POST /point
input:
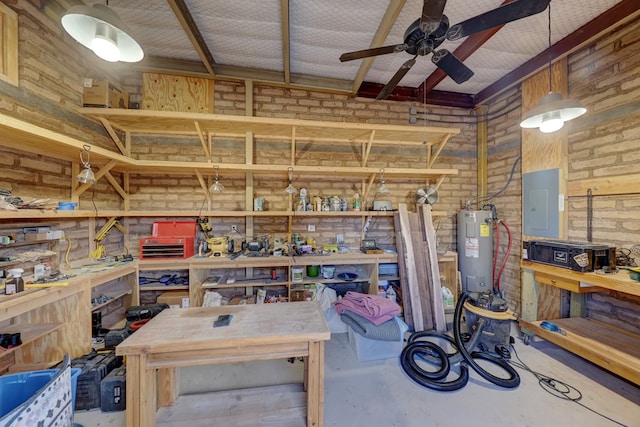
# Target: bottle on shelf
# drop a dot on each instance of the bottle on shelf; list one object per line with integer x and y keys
{"x": 302, "y": 203}
{"x": 14, "y": 282}
{"x": 356, "y": 202}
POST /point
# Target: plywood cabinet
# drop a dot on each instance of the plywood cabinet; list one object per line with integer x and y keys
{"x": 56, "y": 320}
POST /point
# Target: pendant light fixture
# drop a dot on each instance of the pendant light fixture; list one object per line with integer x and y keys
{"x": 216, "y": 187}
{"x": 100, "y": 29}
{"x": 86, "y": 176}
{"x": 382, "y": 188}
{"x": 552, "y": 111}
{"x": 290, "y": 188}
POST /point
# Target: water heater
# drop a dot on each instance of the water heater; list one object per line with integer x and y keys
{"x": 475, "y": 250}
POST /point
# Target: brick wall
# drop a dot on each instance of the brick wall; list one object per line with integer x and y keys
{"x": 503, "y": 152}
{"x": 164, "y": 192}
{"x": 603, "y": 143}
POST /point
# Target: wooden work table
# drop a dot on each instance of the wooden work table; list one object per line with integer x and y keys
{"x": 610, "y": 347}
{"x": 186, "y": 337}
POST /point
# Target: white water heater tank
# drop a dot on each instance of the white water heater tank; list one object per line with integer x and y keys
{"x": 475, "y": 250}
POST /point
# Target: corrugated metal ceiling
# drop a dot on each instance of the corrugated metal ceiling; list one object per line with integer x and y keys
{"x": 298, "y": 42}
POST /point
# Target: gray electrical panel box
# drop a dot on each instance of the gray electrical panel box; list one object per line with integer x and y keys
{"x": 541, "y": 199}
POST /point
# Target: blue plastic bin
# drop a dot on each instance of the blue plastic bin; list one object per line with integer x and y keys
{"x": 16, "y": 389}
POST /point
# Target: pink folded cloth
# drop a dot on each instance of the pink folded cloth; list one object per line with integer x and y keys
{"x": 375, "y": 308}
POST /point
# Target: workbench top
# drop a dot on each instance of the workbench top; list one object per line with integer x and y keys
{"x": 252, "y": 325}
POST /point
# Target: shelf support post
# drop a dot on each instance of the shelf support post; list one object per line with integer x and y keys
{"x": 365, "y": 156}
{"x": 204, "y": 186}
{"x": 114, "y": 136}
{"x": 432, "y": 158}
{"x": 205, "y": 147}
{"x": 249, "y": 160}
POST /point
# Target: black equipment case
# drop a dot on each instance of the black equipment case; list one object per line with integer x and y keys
{"x": 577, "y": 256}
{"x": 95, "y": 366}
{"x": 113, "y": 396}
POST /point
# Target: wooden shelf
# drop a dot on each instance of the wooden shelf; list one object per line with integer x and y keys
{"x": 53, "y": 214}
{"x": 584, "y": 282}
{"x": 27, "y": 243}
{"x": 612, "y": 348}
{"x": 23, "y": 135}
{"x": 164, "y": 288}
{"x": 180, "y": 123}
{"x": 14, "y": 262}
{"x": 28, "y": 333}
{"x": 113, "y": 299}
{"x": 248, "y": 284}
{"x": 155, "y": 265}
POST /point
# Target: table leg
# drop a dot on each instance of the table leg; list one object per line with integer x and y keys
{"x": 141, "y": 392}
{"x": 315, "y": 384}
{"x": 167, "y": 386}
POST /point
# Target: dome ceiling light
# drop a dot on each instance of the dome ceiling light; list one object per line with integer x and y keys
{"x": 100, "y": 29}
{"x": 552, "y": 111}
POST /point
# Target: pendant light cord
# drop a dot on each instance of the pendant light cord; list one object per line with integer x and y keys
{"x": 549, "y": 32}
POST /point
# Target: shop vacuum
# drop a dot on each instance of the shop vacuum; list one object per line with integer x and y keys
{"x": 488, "y": 318}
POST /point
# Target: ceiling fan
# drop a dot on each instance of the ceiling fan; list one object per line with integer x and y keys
{"x": 429, "y": 31}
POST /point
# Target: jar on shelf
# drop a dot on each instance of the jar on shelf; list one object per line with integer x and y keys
{"x": 336, "y": 203}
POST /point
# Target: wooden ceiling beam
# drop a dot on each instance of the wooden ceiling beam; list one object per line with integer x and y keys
{"x": 187, "y": 22}
{"x": 286, "y": 39}
{"x": 386, "y": 24}
{"x": 411, "y": 94}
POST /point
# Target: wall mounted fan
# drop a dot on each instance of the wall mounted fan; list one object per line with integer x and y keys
{"x": 428, "y": 32}
{"x": 427, "y": 195}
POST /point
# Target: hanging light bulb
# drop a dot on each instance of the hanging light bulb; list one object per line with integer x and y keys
{"x": 552, "y": 111}
{"x": 105, "y": 43}
{"x": 551, "y": 122}
{"x": 86, "y": 176}
{"x": 382, "y": 188}
{"x": 216, "y": 187}
{"x": 290, "y": 188}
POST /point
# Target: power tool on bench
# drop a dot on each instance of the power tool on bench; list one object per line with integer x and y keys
{"x": 220, "y": 246}
{"x": 217, "y": 246}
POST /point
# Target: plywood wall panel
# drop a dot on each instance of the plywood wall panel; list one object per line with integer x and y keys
{"x": 543, "y": 151}
{"x": 177, "y": 93}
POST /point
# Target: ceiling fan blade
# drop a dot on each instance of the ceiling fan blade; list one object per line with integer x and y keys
{"x": 402, "y": 71}
{"x": 431, "y": 15}
{"x": 375, "y": 51}
{"x": 502, "y": 15}
{"x": 451, "y": 65}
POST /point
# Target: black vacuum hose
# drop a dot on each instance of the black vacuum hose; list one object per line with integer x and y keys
{"x": 425, "y": 348}
{"x": 514, "y": 379}
{"x": 408, "y": 364}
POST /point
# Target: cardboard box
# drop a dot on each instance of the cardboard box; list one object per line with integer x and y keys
{"x": 102, "y": 93}
{"x": 175, "y": 299}
{"x": 49, "y": 235}
{"x": 30, "y": 237}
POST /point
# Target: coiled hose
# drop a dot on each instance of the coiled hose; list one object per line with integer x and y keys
{"x": 435, "y": 354}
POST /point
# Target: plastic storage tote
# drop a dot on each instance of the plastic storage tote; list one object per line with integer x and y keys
{"x": 16, "y": 389}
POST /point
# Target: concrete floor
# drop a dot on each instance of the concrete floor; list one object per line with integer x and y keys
{"x": 378, "y": 393}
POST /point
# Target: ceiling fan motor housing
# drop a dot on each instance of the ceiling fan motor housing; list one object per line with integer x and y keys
{"x": 419, "y": 44}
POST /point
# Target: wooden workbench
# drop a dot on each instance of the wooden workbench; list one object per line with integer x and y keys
{"x": 186, "y": 337}
{"x": 610, "y": 347}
